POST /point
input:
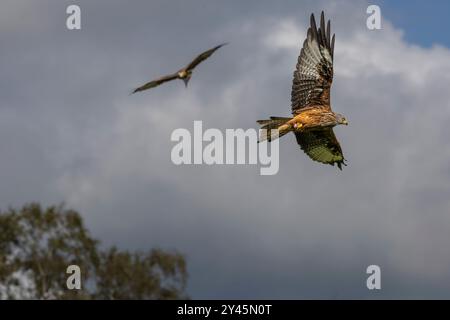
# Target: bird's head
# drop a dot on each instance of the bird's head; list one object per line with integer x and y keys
{"x": 341, "y": 119}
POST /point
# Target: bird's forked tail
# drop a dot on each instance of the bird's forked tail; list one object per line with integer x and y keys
{"x": 274, "y": 128}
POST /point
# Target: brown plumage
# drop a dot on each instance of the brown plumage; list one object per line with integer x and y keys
{"x": 182, "y": 74}
{"x": 313, "y": 120}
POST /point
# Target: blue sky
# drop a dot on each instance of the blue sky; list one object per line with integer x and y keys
{"x": 424, "y": 22}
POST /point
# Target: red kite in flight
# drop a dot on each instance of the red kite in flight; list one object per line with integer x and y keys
{"x": 182, "y": 74}
{"x": 313, "y": 120}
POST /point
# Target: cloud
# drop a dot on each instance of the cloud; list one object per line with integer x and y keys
{"x": 72, "y": 133}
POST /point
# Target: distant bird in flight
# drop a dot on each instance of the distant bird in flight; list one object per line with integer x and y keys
{"x": 183, "y": 74}
{"x": 313, "y": 120}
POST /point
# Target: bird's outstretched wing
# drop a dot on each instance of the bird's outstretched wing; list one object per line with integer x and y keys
{"x": 202, "y": 57}
{"x": 321, "y": 146}
{"x": 156, "y": 82}
{"x": 314, "y": 71}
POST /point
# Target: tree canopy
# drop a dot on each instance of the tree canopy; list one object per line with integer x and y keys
{"x": 37, "y": 245}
